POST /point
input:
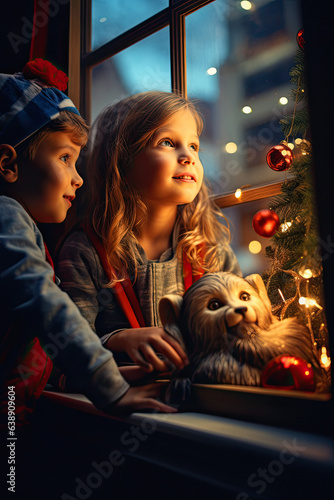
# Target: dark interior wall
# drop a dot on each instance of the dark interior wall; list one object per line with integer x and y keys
{"x": 15, "y": 46}
{"x": 51, "y": 39}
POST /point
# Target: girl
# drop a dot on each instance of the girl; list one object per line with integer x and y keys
{"x": 150, "y": 227}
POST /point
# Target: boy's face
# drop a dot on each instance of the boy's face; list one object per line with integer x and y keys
{"x": 168, "y": 170}
{"x": 47, "y": 184}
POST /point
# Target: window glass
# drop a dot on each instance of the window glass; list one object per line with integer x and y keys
{"x": 239, "y": 75}
{"x": 249, "y": 247}
{"x": 238, "y": 71}
{"x": 110, "y": 18}
{"x": 143, "y": 66}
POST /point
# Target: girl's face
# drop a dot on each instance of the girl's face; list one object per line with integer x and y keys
{"x": 168, "y": 171}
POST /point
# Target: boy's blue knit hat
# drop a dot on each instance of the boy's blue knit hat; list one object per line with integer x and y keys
{"x": 31, "y": 99}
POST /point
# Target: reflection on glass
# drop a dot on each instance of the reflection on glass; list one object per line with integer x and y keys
{"x": 110, "y": 18}
{"x": 143, "y": 66}
{"x": 240, "y": 75}
{"x": 238, "y": 71}
{"x": 249, "y": 247}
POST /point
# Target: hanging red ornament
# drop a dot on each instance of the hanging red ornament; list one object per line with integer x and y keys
{"x": 300, "y": 38}
{"x": 266, "y": 222}
{"x": 279, "y": 158}
{"x": 288, "y": 373}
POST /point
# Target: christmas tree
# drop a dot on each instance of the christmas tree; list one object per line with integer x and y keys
{"x": 294, "y": 279}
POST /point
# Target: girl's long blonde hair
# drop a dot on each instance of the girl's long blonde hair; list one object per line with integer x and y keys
{"x": 116, "y": 210}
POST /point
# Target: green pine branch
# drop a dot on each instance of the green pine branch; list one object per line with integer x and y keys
{"x": 295, "y": 245}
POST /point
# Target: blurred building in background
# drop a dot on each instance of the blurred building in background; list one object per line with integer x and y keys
{"x": 238, "y": 55}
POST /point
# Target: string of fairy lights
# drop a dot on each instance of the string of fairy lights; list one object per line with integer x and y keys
{"x": 266, "y": 223}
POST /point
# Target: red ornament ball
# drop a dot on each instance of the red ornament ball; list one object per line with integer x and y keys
{"x": 280, "y": 157}
{"x": 300, "y": 38}
{"x": 266, "y": 222}
{"x": 288, "y": 373}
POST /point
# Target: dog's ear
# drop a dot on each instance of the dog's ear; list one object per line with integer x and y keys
{"x": 257, "y": 283}
{"x": 169, "y": 310}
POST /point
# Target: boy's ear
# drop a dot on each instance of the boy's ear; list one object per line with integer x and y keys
{"x": 8, "y": 163}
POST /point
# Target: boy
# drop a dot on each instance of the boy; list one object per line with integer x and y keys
{"x": 41, "y": 135}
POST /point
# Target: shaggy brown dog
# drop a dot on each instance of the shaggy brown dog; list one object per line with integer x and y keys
{"x": 226, "y": 326}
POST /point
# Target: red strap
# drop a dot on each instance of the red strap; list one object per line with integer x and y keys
{"x": 129, "y": 303}
{"x": 188, "y": 275}
{"x": 49, "y": 260}
{"x": 187, "y": 272}
{"x": 39, "y": 35}
{"x": 124, "y": 291}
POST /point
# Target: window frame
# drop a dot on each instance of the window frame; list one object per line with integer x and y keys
{"x": 173, "y": 16}
{"x": 254, "y": 404}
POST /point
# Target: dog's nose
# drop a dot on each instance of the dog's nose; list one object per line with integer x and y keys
{"x": 240, "y": 310}
{"x": 234, "y": 316}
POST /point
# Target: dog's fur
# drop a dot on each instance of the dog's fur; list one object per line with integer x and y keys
{"x": 225, "y": 325}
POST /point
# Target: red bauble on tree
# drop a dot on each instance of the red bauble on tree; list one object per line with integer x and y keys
{"x": 266, "y": 222}
{"x": 279, "y": 158}
{"x": 288, "y": 372}
{"x": 300, "y": 38}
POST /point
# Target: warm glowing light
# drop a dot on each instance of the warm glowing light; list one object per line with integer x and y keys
{"x": 307, "y": 372}
{"x": 283, "y": 100}
{"x": 246, "y": 5}
{"x": 287, "y": 361}
{"x": 281, "y": 294}
{"x": 291, "y": 145}
{"x": 103, "y": 19}
{"x": 231, "y": 148}
{"x": 298, "y": 141}
{"x": 211, "y": 71}
{"x": 325, "y": 360}
{"x": 247, "y": 110}
{"x": 237, "y": 193}
{"x": 308, "y": 267}
{"x": 306, "y": 273}
{"x": 307, "y": 302}
{"x": 255, "y": 247}
{"x": 285, "y": 226}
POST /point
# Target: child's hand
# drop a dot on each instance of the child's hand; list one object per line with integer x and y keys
{"x": 143, "y": 344}
{"x": 135, "y": 375}
{"x": 140, "y": 398}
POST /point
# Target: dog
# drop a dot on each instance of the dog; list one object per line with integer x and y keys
{"x": 226, "y": 326}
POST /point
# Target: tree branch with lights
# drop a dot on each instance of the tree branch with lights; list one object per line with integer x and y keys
{"x": 294, "y": 279}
